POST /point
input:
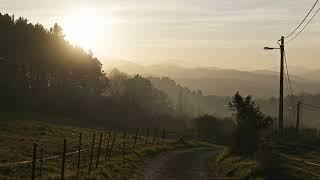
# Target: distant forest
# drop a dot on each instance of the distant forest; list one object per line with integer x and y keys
{"x": 41, "y": 72}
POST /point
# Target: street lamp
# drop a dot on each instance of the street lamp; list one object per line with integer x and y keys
{"x": 270, "y": 48}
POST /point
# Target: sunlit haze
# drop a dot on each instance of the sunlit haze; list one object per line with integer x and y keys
{"x": 226, "y": 34}
{"x": 84, "y": 28}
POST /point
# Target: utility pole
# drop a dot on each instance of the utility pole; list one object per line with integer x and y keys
{"x": 281, "y": 88}
{"x": 281, "y": 83}
{"x": 298, "y": 116}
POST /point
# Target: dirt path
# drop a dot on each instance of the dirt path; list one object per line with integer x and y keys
{"x": 190, "y": 164}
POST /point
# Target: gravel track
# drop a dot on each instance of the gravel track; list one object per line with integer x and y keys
{"x": 187, "y": 164}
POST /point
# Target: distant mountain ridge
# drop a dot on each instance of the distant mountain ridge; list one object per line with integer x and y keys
{"x": 224, "y": 82}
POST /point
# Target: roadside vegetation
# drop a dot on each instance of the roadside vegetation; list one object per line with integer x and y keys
{"x": 254, "y": 151}
{"x": 227, "y": 164}
{"x": 246, "y": 136}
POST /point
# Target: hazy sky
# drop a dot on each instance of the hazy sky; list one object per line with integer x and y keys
{"x": 227, "y": 34}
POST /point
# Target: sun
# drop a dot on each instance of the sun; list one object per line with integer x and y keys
{"x": 83, "y": 28}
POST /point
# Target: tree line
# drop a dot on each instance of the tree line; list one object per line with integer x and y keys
{"x": 41, "y": 72}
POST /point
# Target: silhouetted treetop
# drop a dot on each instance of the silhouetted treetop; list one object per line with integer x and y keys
{"x": 45, "y": 59}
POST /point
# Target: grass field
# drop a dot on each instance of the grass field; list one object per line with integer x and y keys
{"x": 17, "y": 136}
{"x": 295, "y": 156}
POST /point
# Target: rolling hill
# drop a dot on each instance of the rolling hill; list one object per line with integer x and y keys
{"x": 224, "y": 82}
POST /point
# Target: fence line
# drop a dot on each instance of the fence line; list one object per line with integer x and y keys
{"x": 300, "y": 160}
{"x": 63, "y": 158}
{"x": 107, "y": 146}
{"x": 306, "y": 171}
{"x": 79, "y": 155}
{"x": 297, "y": 159}
{"x": 126, "y": 146}
{"x": 38, "y": 160}
{"x": 99, "y": 148}
{"x": 34, "y": 157}
{"x": 91, "y": 154}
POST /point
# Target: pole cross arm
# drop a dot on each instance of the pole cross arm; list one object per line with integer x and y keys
{"x": 270, "y": 48}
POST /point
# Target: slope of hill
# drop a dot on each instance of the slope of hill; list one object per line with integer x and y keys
{"x": 224, "y": 82}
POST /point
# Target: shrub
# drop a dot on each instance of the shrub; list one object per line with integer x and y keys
{"x": 249, "y": 121}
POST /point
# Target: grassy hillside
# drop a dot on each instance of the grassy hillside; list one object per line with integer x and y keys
{"x": 293, "y": 157}
{"x": 17, "y": 135}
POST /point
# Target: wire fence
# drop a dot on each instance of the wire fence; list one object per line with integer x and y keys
{"x": 82, "y": 156}
{"x": 303, "y": 163}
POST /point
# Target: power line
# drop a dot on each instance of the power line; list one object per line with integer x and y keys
{"x": 304, "y": 19}
{"x": 288, "y": 80}
{"x": 288, "y": 92}
{"x": 309, "y": 108}
{"x": 305, "y": 26}
{"x": 312, "y": 106}
{"x": 291, "y": 103}
{"x": 287, "y": 73}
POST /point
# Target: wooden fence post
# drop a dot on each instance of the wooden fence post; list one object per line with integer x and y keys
{"x": 135, "y": 140}
{"x": 34, "y": 159}
{"x": 79, "y": 156}
{"x": 147, "y": 136}
{"x": 63, "y": 158}
{"x": 99, "y": 148}
{"x": 41, "y": 161}
{"x": 107, "y": 147}
{"x": 110, "y": 151}
{"x": 163, "y": 134}
{"x": 154, "y": 136}
{"x": 141, "y": 132}
{"x": 124, "y": 146}
{"x": 91, "y": 154}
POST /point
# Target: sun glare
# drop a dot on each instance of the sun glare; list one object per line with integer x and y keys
{"x": 83, "y": 28}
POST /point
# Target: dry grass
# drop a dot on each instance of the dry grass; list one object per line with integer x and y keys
{"x": 17, "y": 136}
{"x": 231, "y": 166}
